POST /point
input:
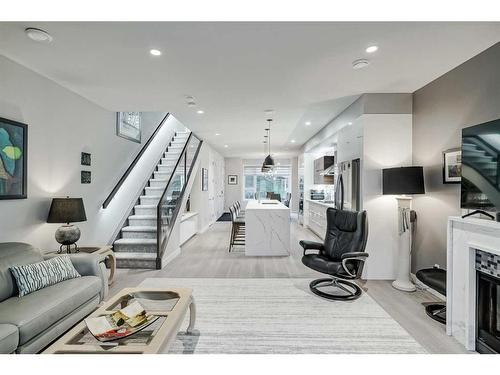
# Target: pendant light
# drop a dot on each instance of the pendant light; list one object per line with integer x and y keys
{"x": 269, "y": 161}
{"x": 265, "y": 169}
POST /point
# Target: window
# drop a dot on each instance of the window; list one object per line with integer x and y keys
{"x": 279, "y": 182}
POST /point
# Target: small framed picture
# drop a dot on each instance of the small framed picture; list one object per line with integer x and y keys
{"x": 86, "y": 159}
{"x": 86, "y": 177}
{"x": 452, "y": 166}
{"x": 204, "y": 179}
{"x": 128, "y": 125}
{"x": 232, "y": 179}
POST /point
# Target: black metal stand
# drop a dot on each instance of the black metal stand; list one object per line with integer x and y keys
{"x": 68, "y": 248}
{"x": 480, "y": 212}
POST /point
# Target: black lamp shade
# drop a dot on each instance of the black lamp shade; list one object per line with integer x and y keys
{"x": 66, "y": 210}
{"x": 403, "y": 180}
{"x": 269, "y": 161}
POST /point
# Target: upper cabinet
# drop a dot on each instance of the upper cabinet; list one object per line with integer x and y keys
{"x": 319, "y": 168}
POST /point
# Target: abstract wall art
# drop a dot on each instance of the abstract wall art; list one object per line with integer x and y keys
{"x": 13, "y": 159}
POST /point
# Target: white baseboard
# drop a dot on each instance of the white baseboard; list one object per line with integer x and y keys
{"x": 168, "y": 258}
{"x": 422, "y": 286}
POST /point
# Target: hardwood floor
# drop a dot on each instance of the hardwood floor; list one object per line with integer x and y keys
{"x": 206, "y": 256}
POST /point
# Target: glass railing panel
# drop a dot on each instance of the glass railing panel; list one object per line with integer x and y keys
{"x": 169, "y": 204}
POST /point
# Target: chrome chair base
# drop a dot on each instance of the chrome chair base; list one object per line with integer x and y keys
{"x": 437, "y": 311}
{"x": 352, "y": 291}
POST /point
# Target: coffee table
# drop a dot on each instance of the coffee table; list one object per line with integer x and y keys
{"x": 170, "y": 304}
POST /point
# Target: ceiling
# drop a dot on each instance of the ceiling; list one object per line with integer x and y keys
{"x": 235, "y": 71}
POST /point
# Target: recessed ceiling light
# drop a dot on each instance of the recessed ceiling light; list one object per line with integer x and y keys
{"x": 372, "y": 49}
{"x": 155, "y": 52}
{"x": 360, "y": 64}
{"x": 293, "y": 141}
{"x": 38, "y": 35}
{"x": 308, "y": 123}
{"x": 217, "y": 133}
{"x": 200, "y": 112}
{"x": 349, "y": 123}
{"x": 226, "y": 146}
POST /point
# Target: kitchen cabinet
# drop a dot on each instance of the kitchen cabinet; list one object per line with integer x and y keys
{"x": 319, "y": 167}
{"x": 317, "y": 217}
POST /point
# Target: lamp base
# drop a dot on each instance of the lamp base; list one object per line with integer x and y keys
{"x": 404, "y": 285}
{"x": 67, "y": 235}
{"x": 403, "y": 281}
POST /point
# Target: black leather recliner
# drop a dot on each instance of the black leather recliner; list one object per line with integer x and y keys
{"x": 342, "y": 255}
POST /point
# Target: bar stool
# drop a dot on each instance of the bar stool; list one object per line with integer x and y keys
{"x": 237, "y": 229}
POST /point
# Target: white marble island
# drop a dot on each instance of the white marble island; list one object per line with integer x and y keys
{"x": 267, "y": 228}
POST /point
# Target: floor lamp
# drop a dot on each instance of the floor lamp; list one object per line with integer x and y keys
{"x": 403, "y": 182}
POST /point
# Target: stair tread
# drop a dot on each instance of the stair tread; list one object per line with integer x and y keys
{"x": 142, "y": 217}
{"x": 143, "y": 256}
{"x": 136, "y": 241}
{"x": 137, "y": 228}
{"x": 146, "y": 206}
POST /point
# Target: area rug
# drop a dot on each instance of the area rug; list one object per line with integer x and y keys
{"x": 271, "y": 316}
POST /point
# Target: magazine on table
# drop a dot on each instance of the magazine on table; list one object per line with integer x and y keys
{"x": 121, "y": 323}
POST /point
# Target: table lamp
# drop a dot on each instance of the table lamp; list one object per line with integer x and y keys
{"x": 403, "y": 182}
{"x": 67, "y": 210}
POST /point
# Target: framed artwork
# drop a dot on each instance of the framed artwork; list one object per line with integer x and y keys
{"x": 452, "y": 166}
{"x": 86, "y": 177}
{"x": 232, "y": 179}
{"x": 128, "y": 125}
{"x": 13, "y": 159}
{"x": 204, "y": 179}
{"x": 86, "y": 159}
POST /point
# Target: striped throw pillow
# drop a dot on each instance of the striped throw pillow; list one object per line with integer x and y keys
{"x": 35, "y": 276}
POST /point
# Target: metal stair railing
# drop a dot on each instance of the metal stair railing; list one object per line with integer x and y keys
{"x": 170, "y": 202}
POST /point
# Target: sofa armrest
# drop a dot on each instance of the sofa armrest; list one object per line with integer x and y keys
{"x": 88, "y": 265}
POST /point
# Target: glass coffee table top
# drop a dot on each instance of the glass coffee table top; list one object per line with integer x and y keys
{"x": 154, "y": 302}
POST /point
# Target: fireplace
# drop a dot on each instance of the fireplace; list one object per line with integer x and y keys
{"x": 487, "y": 302}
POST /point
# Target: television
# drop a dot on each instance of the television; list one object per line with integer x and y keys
{"x": 480, "y": 183}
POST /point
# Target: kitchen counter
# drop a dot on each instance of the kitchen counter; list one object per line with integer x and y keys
{"x": 320, "y": 203}
{"x": 267, "y": 228}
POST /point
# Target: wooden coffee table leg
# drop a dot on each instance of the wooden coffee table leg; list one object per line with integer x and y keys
{"x": 192, "y": 316}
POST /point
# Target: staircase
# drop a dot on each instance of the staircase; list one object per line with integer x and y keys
{"x": 480, "y": 158}
{"x": 137, "y": 247}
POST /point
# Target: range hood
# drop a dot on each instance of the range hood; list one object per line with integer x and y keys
{"x": 330, "y": 171}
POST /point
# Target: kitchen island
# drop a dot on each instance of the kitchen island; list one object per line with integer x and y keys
{"x": 267, "y": 228}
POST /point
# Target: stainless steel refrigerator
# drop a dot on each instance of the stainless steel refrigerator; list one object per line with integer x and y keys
{"x": 347, "y": 186}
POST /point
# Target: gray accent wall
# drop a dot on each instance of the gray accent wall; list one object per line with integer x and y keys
{"x": 465, "y": 96}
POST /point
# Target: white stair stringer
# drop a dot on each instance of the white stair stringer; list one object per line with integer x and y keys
{"x": 137, "y": 246}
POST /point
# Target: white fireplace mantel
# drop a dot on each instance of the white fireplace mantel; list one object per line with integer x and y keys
{"x": 465, "y": 236}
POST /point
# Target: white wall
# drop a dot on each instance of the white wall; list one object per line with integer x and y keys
{"x": 61, "y": 124}
{"x": 387, "y": 142}
{"x": 209, "y": 204}
{"x": 234, "y": 166}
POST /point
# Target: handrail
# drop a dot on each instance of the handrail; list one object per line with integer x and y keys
{"x": 161, "y": 243}
{"x": 134, "y": 162}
